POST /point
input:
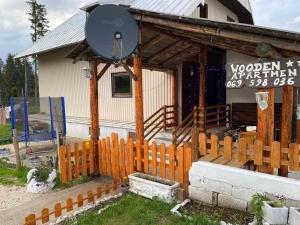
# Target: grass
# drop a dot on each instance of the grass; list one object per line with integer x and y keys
{"x": 10, "y": 176}
{"x": 136, "y": 210}
{"x": 5, "y": 134}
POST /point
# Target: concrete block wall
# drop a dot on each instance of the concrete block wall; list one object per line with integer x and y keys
{"x": 233, "y": 188}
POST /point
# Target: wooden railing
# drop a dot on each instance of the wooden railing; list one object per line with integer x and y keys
{"x": 162, "y": 119}
{"x": 214, "y": 116}
{"x": 183, "y": 133}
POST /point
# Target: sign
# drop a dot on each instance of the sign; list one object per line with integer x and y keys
{"x": 264, "y": 73}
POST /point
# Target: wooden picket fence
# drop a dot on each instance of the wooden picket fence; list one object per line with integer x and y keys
{"x": 70, "y": 204}
{"x": 239, "y": 153}
{"x": 119, "y": 158}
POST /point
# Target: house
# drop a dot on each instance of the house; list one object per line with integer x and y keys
{"x": 171, "y": 72}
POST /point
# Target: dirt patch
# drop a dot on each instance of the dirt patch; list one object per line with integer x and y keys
{"x": 14, "y": 196}
{"x": 228, "y": 215}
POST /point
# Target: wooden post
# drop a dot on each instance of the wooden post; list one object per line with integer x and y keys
{"x": 195, "y": 144}
{"x": 94, "y": 105}
{"x": 17, "y": 149}
{"x": 139, "y": 107}
{"x": 202, "y": 85}
{"x": 286, "y": 124}
{"x": 175, "y": 96}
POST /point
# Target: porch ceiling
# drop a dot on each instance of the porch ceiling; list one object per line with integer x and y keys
{"x": 169, "y": 40}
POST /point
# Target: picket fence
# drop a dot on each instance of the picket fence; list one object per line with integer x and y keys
{"x": 118, "y": 159}
{"x": 244, "y": 151}
{"x": 70, "y": 204}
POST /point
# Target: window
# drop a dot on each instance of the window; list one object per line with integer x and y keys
{"x": 203, "y": 11}
{"x": 121, "y": 85}
{"x": 229, "y": 19}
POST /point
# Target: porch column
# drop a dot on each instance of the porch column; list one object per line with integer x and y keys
{"x": 139, "y": 110}
{"x": 203, "y": 63}
{"x": 175, "y": 96}
{"x": 94, "y": 110}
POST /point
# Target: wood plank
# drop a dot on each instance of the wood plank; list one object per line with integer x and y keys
{"x": 258, "y": 153}
{"x": 57, "y": 210}
{"x": 163, "y": 52}
{"x": 131, "y": 156}
{"x": 228, "y": 148}
{"x": 187, "y": 166}
{"x": 202, "y": 144}
{"x": 152, "y": 42}
{"x": 69, "y": 163}
{"x": 91, "y": 157}
{"x": 103, "y": 71}
{"x": 45, "y": 215}
{"x": 214, "y": 149}
{"x": 123, "y": 159}
{"x": 76, "y": 159}
{"x": 138, "y": 156}
{"x": 69, "y": 205}
{"x": 83, "y": 158}
{"x": 104, "y": 159}
{"x": 154, "y": 158}
{"x": 63, "y": 172}
{"x": 180, "y": 166}
{"x": 162, "y": 149}
{"x": 203, "y": 63}
{"x": 275, "y": 155}
{"x": 146, "y": 157}
{"x": 294, "y": 157}
{"x": 172, "y": 161}
{"x": 116, "y": 156}
{"x": 100, "y": 162}
{"x": 108, "y": 156}
{"x": 242, "y": 150}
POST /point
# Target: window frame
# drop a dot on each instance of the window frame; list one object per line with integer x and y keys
{"x": 113, "y": 87}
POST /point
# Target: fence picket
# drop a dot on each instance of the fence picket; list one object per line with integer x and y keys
{"x": 172, "y": 162}
{"x": 117, "y": 157}
{"x": 294, "y": 154}
{"x": 57, "y": 210}
{"x": 275, "y": 155}
{"x": 108, "y": 156}
{"x": 69, "y": 163}
{"x": 79, "y": 200}
{"x": 180, "y": 166}
{"x": 202, "y": 144}
{"x": 91, "y": 158}
{"x": 162, "y": 149}
{"x": 100, "y": 158}
{"x": 63, "y": 172}
{"x": 113, "y": 155}
{"x": 258, "y": 153}
{"x": 214, "y": 149}
{"x": 83, "y": 158}
{"x": 131, "y": 156}
{"x": 242, "y": 150}
{"x": 154, "y": 158}
{"x": 138, "y": 156}
{"x": 69, "y": 206}
{"x": 146, "y": 157}
{"x": 187, "y": 166}
{"x": 76, "y": 163}
{"x": 90, "y": 197}
{"x": 228, "y": 148}
{"x": 30, "y": 219}
{"x": 104, "y": 159}
{"x": 123, "y": 160}
{"x": 45, "y": 215}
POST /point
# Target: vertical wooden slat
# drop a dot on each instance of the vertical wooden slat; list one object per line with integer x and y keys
{"x": 90, "y": 196}
{"x": 138, "y": 156}
{"x": 69, "y": 206}
{"x": 154, "y": 157}
{"x": 45, "y": 215}
{"x": 162, "y": 149}
{"x": 242, "y": 150}
{"x": 113, "y": 155}
{"x": 83, "y": 157}
{"x": 228, "y": 148}
{"x": 76, "y": 158}
{"x": 69, "y": 163}
{"x": 100, "y": 163}
{"x": 202, "y": 144}
{"x": 172, "y": 162}
{"x": 187, "y": 166}
{"x": 146, "y": 157}
{"x": 275, "y": 155}
{"x": 131, "y": 156}
{"x": 117, "y": 156}
{"x": 79, "y": 200}
{"x": 63, "y": 172}
{"x": 91, "y": 157}
{"x": 294, "y": 157}
{"x": 108, "y": 156}
{"x": 104, "y": 159}
{"x": 127, "y": 154}
{"x": 180, "y": 166}
{"x": 57, "y": 210}
{"x": 30, "y": 219}
{"x": 123, "y": 160}
{"x": 214, "y": 149}
{"x": 258, "y": 153}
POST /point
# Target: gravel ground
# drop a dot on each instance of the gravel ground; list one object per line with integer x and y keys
{"x": 14, "y": 196}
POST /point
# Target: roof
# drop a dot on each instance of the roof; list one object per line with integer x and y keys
{"x": 72, "y": 30}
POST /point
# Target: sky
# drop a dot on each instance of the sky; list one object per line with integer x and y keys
{"x": 15, "y": 31}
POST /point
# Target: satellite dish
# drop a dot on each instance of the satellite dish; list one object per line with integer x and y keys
{"x": 112, "y": 32}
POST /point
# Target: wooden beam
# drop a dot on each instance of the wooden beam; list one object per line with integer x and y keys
{"x": 182, "y": 52}
{"x": 163, "y": 51}
{"x": 94, "y": 110}
{"x": 175, "y": 95}
{"x": 102, "y": 72}
{"x": 152, "y": 42}
{"x": 202, "y": 84}
{"x": 128, "y": 70}
{"x": 139, "y": 107}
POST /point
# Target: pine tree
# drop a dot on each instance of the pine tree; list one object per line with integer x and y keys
{"x": 39, "y": 26}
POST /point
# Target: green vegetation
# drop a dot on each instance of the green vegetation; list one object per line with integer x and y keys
{"x": 5, "y": 134}
{"x": 10, "y": 176}
{"x": 80, "y": 180}
{"x": 136, "y": 210}
{"x": 256, "y": 204}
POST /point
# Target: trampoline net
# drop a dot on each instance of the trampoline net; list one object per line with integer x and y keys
{"x": 36, "y": 119}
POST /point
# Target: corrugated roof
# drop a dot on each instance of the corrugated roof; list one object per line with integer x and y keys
{"x": 72, "y": 31}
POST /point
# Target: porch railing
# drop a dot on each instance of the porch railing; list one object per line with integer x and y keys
{"x": 161, "y": 120}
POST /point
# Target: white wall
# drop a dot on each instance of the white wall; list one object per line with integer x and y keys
{"x": 216, "y": 11}
{"x": 245, "y": 94}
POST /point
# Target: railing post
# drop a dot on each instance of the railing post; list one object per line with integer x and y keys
{"x": 174, "y": 138}
{"x": 165, "y": 118}
{"x": 195, "y": 117}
